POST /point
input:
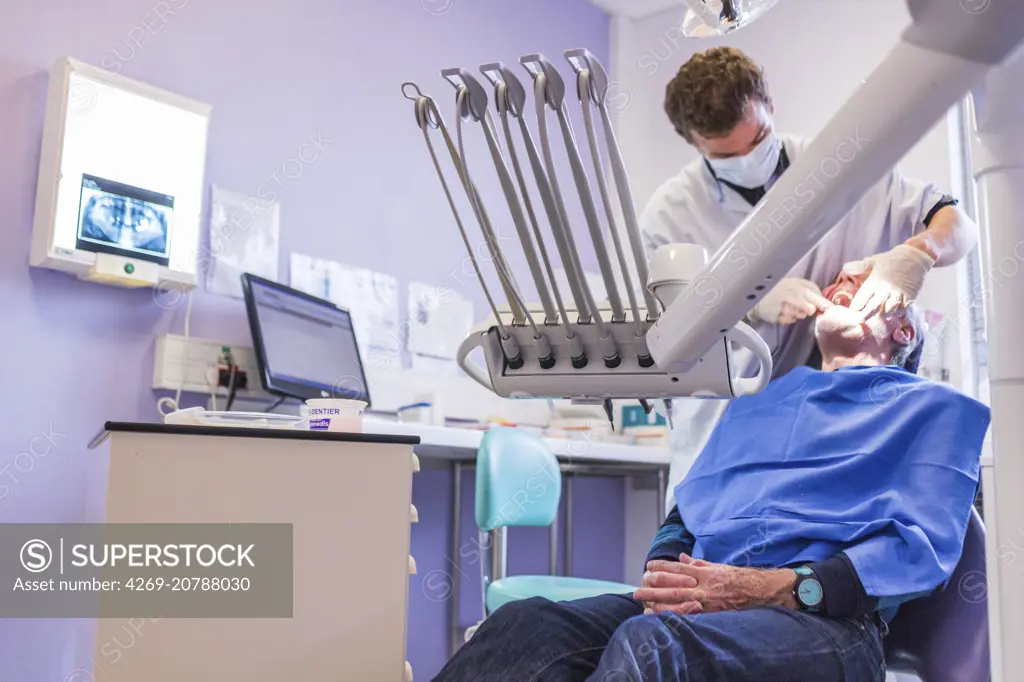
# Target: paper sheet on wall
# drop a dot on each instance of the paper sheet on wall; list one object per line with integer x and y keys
{"x": 242, "y": 239}
{"x": 312, "y": 275}
{"x": 371, "y": 297}
{"x": 439, "y": 320}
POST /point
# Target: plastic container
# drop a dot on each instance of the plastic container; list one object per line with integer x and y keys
{"x": 334, "y": 414}
{"x": 198, "y": 416}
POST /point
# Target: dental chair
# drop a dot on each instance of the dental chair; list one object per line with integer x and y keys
{"x": 518, "y": 483}
{"x": 944, "y": 637}
{"x": 939, "y": 638}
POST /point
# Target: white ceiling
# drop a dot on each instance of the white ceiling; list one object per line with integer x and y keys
{"x": 636, "y": 9}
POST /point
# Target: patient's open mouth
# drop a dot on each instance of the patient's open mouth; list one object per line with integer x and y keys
{"x": 842, "y": 291}
{"x": 840, "y": 297}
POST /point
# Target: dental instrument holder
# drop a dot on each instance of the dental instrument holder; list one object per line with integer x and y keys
{"x": 715, "y": 375}
{"x": 674, "y": 272}
{"x": 475, "y": 109}
{"x": 428, "y": 116}
{"x": 504, "y": 103}
{"x": 510, "y": 98}
{"x": 580, "y": 59}
{"x": 553, "y": 89}
{"x": 566, "y": 250}
{"x": 590, "y": 71}
{"x": 515, "y": 93}
{"x": 514, "y": 102}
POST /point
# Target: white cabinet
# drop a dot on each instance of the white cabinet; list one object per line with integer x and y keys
{"x": 348, "y": 497}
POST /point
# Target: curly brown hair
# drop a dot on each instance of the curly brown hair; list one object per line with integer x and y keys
{"x": 710, "y": 93}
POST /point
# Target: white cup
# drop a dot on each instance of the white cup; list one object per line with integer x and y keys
{"x": 334, "y": 414}
{"x": 673, "y": 267}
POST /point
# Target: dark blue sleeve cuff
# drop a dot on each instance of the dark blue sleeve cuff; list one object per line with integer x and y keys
{"x": 844, "y": 592}
{"x": 671, "y": 540}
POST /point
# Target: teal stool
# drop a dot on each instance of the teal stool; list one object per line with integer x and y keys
{"x": 518, "y": 483}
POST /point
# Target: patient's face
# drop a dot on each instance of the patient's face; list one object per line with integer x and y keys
{"x": 840, "y": 329}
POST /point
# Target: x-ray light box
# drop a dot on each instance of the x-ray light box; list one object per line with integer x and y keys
{"x": 120, "y": 191}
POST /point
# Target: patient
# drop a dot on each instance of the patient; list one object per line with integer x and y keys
{"x": 816, "y": 508}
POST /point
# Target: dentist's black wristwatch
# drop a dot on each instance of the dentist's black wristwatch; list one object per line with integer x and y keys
{"x": 807, "y": 591}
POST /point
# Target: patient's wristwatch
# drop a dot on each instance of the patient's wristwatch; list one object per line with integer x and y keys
{"x": 807, "y": 591}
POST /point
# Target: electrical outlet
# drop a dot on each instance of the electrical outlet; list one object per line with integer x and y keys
{"x": 205, "y": 362}
{"x": 240, "y": 380}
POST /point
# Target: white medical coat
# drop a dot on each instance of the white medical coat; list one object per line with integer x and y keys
{"x": 693, "y": 207}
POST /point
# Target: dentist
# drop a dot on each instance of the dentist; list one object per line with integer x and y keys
{"x": 719, "y": 102}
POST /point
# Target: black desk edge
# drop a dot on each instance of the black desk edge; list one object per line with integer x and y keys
{"x": 236, "y": 432}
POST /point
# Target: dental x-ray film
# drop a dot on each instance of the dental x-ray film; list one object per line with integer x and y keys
{"x": 123, "y": 220}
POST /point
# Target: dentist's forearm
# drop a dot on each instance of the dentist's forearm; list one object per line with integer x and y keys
{"x": 950, "y": 236}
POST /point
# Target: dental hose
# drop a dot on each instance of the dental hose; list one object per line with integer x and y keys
{"x": 643, "y": 357}
{"x": 424, "y": 108}
{"x": 543, "y": 345}
{"x": 611, "y": 355}
{"x": 501, "y": 96}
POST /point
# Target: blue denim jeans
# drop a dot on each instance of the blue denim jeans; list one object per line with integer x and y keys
{"x": 608, "y": 639}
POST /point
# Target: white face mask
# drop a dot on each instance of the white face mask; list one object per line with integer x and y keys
{"x": 753, "y": 170}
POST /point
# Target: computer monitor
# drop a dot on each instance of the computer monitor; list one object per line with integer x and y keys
{"x": 305, "y": 346}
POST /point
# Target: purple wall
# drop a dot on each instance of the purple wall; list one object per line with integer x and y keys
{"x": 277, "y": 73}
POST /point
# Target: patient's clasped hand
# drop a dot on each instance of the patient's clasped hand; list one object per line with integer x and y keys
{"x": 816, "y": 508}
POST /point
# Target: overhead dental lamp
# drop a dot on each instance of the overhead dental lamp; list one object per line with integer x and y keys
{"x": 707, "y": 18}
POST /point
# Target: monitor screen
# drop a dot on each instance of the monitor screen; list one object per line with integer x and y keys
{"x": 124, "y": 220}
{"x": 305, "y": 346}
